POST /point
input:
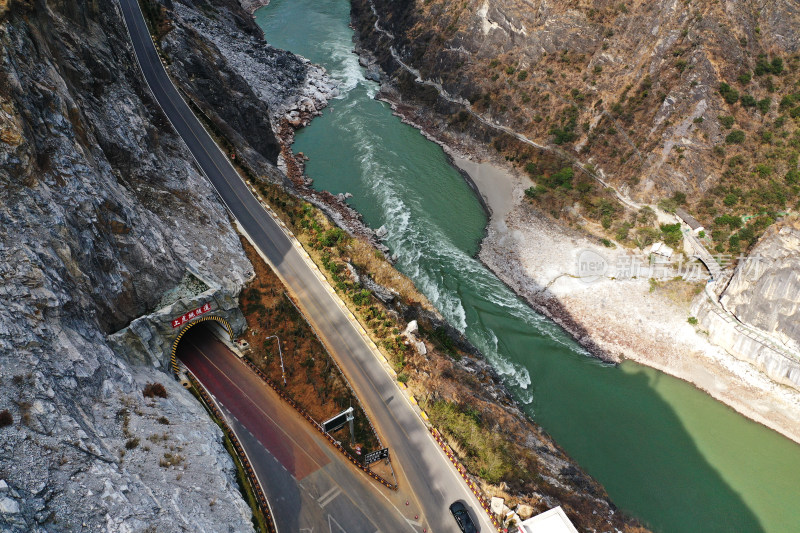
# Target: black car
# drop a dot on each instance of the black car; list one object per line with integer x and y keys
{"x": 462, "y": 517}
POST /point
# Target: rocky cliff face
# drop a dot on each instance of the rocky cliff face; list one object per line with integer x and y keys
{"x": 647, "y": 92}
{"x": 765, "y": 289}
{"x": 101, "y": 210}
{"x": 762, "y": 295}
{"x": 245, "y": 87}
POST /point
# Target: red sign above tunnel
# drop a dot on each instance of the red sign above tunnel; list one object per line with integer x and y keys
{"x": 205, "y": 308}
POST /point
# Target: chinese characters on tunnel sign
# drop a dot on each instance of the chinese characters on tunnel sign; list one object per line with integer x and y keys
{"x": 205, "y": 308}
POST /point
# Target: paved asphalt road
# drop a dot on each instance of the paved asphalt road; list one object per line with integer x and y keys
{"x": 426, "y": 477}
{"x": 308, "y": 484}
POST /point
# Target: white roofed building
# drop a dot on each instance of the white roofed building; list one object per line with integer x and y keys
{"x": 553, "y": 521}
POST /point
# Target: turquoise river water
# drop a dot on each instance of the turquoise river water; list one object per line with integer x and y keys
{"x": 667, "y": 453}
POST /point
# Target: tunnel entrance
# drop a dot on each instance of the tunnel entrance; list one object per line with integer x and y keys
{"x": 209, "y": 326}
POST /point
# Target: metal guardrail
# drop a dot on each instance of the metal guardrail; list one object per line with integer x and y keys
{"x": 464, "y": 474}
{"x": 251, "y": 475}
{"x": 314, "y": 423}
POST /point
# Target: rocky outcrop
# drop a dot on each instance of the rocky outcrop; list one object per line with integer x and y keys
{"x": 756, "y": 319}
{"x": 247, "y": 88}
{"x": 102, "y": 210}
{"x": 764, "y": 291}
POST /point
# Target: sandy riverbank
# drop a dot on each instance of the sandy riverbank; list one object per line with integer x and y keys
{"x": 539, "y": 259}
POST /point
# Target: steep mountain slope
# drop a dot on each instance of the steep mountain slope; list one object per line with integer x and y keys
{"x": 698, "y": 98}
{"x": 102, "y": 209}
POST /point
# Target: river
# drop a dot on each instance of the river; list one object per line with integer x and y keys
{"x": 666, "y": 453}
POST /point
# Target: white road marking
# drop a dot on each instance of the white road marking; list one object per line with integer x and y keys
{"x": 338, "y": 527}
{"x": 329, "y": 496}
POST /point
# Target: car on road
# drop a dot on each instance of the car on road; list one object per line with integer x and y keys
{"x": 464, "y": 520}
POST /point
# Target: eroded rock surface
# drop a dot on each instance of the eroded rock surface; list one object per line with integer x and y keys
{"x": 101, "y": 211}
{"x": 765, "y": 289}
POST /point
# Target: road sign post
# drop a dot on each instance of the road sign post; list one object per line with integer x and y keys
{"x": 377, "y": 455}
{"x": 337, "y": 422}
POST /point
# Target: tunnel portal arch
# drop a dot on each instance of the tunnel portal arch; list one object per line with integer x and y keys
{"x": 174, "y": 357}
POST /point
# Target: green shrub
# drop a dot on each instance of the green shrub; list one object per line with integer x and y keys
{"x": 763, "y": 170}
{"x": 727, "y": 121}
{"x": 332, "y": 237}
{"x": 792, "y": 177}
{"x": 764, "y": 105}
{"x": 730, "y": 200}
{"x": 671, "y": 233}
{"x": 735, "y": 137}
{"x": 562, "y": 178}
{"x": 768, "y": 67}
{"x": 735, "y": 161}
{"x": 485, "y": 450}
{"x": 646, "y": 236}
{"x": 747, "y": 233}
{"x": 789, "y": 100}
{"x": 748, "y": 101}
{"x": 622, "y": 232}
{"x": 732, "y": 221}
{"x": 668, "y": 204}
{"x": 562, "y": 136}
{"x": 522, "y": 76}
{"x": 535, "y": 192}
{"x": 646, "y": 215}
{"x": 362, "y": 297}
{"x": 692, "y": 320}
{"x": 745, "y": 78}
{"x": 730, "y": 94}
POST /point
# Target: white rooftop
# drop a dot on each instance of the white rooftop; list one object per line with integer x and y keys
{"x": 662, "y": 249}
{"x": 552, "y": 521}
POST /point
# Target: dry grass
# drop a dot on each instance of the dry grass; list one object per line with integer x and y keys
{"x": 5, "y": 418}
{"x": 679, "y": 291}
{"x": 153, "y": 390}
{"x": 313, "y": 380}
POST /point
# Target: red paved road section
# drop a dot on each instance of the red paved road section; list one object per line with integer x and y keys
{"x": 257, "y": 407}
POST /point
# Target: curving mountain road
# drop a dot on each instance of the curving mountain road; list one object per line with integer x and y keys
{"x": 309, "y": 485}
{"x": 427, "y": 479}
